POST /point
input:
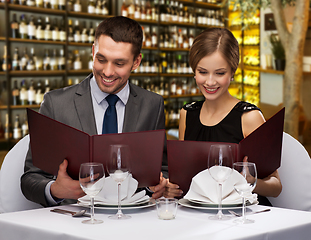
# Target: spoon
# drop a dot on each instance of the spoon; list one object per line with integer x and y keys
{"x": 73, "y": 214}
{"x": 240, "y": 215}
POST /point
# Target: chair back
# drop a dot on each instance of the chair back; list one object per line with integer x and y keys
{"x": 11, "y": 196}
{"x": 295, "y": 174}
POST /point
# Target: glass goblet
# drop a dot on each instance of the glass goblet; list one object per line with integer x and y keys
{"x": 249, "y": 172}
{"x": 119, "y": 169}
{"x": 91, "y": 179}
{"x": 220, "y": 160}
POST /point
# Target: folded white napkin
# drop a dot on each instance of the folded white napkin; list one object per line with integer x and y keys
{"x": 205, "y": 189}
{"x": 109, "y": 193}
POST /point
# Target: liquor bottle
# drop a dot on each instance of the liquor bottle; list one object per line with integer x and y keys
{"x": 23, "y": 93}
{"x": 15, "y": 60}
{"x": 24, "y": 60}
{"x": 22, "y": 2}
{"x": 4, "y": 94}
{"x": 174, "y": 11}
{"x": 46, "y": 60}
{"x": 23, "y": 28}
{"x": 25, "y": 130}
{"x": 31, "y": 64}
{"x": 173, "y": 87}
{"x": 39, "y": 3}
{"x": 148, "y": 40}
{"x": 163, "y": 11}
{"x": 54, "y": 4}
{"x": 69, "y": 82}
{"x": 31, "y": 28}
{"x": 62, "y": 4}
{"x": 163, "y": 65}
{"x": 7, "y": 127}
{"x": 70, "y": 31}
{"x": 90, "y": 62}
{"x": 180, "y": 38}
{"x": 98, "y": 7}
{"x": 153, "y": 64}
{"x": 154, "y": 10}
{"x": 154, "y": 37}
{"x": 39, "y": 92}
{"x": 70, "y": 61}
{"x": 14, "y": 27}
{"x": 91, "y": 6}
{"x": 124, "y": 10}
{"x": 55, "y": 30}
{"x": 84, "y": 33}
{"x": 77, "y": 32}
{"x": 137, "y": 9}
{"x": 191, "y": 37}
{"x": 17, "y": 130}
{"x": 47, "y": 30}
{"x": 39, "y": 30}
{"x": 91, "y": 33}
{"x": 62, "y": 31}
{"x": 54, "y": 60}
{"x": 6, "y": 61}
{"x": 61, "y": 60}
{"x": 148, "y": 10}
{"x": 131, "y": 9}
{"x": 47, "y": 86}
{"x": 105, "y": 10}
{"x": 70, "y": 5}
{"x": 31, "y": 93}
{"x": 185, "y": 39}
{"x": 15, "y": 94}
{"x": 143, "y": 10}
{"x": 77, "y": 64}
{"x": 46, "y": 3}
{"x": 77, "y": 6}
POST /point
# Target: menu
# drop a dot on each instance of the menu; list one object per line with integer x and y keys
{"x": 263, "y": 147}
{"x": 52, "y": 141}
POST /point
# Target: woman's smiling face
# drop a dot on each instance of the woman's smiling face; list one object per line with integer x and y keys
{"x": 213, "y": 75}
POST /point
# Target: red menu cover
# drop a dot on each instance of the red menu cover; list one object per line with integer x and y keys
{"x": 263, "y": 147}
{"x": 52, "y": 141}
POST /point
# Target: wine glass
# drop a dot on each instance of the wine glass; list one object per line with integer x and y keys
{"x": 249, "y": 172}
{"x": 118, "y": 169}
{"x": 220, "y": 160}
{"x": 91, "y": 178}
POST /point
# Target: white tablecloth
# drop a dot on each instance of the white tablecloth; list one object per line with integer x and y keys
{"x": 189, "y": 224}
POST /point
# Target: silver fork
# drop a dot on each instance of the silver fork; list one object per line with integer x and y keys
{"x": 240, "y": 215}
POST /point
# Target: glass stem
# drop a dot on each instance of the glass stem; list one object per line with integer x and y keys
{"x": 219, "y": 201}
{"x": 243, "y": 209}
{"x": 92, "y": 209}
{"x": 119, "y": 202}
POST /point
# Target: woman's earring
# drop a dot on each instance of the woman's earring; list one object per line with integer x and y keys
{"x": 232, "y": 79}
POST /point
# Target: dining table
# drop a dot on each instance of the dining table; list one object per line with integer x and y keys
{"x": 189, "y": 223}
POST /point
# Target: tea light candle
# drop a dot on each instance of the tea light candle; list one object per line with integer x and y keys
{"x": 166, "y": 215}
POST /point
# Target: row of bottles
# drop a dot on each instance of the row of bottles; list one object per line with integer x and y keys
{"x": 172, "y": 11}
{"x": 251, "y": 57}
{"x": 18, "y": 131}
{"x": 31, "y": 91}
{"x": 174, "y": 63}
{"x": 176, "y": 87}
{"x": 51, "y": 31}
{"x": 52, "y": 4}
{"x": 52, "y": 59}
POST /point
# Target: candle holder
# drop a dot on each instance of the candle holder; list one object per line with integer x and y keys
{"x": 166, "y": 208}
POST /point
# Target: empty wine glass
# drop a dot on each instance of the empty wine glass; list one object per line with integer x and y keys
{"x": 91, "y": 178}
{"x": 249, "y": 172}
{"x": 118, "y": 169}
{"x": 220, "y": 160}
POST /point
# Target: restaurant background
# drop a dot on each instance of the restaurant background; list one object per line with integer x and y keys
{"x": 64, "y": 58}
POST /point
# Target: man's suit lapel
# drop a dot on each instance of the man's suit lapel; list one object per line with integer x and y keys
{"x": 84, "y": 107}
{"x": 132, "y": 111}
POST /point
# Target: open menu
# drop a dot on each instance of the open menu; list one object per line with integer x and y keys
{"x": 263, "y": 147}
{"x": 52, "y": 141}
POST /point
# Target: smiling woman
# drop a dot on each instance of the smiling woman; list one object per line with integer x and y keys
{"x": 214, "y": 58}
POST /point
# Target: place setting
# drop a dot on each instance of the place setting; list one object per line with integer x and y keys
{"x": 224, "y": 185}
{"x": 119, "y": 189}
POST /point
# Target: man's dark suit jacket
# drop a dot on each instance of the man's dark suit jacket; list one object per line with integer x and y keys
{"x": 72, "y": 105}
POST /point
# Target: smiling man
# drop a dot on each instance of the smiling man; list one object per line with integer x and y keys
{"x": 116, "y": 52}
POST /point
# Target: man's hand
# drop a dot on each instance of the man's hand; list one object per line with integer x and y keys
{"x": 65, "y": 186}
{"x": 172, "y": 190}
{"x": 160, "y": 188}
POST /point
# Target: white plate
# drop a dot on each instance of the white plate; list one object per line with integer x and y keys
{"x": 114, "y": 204}
{"x": 187, "y": 203}
{"x": 148, "y": 203}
